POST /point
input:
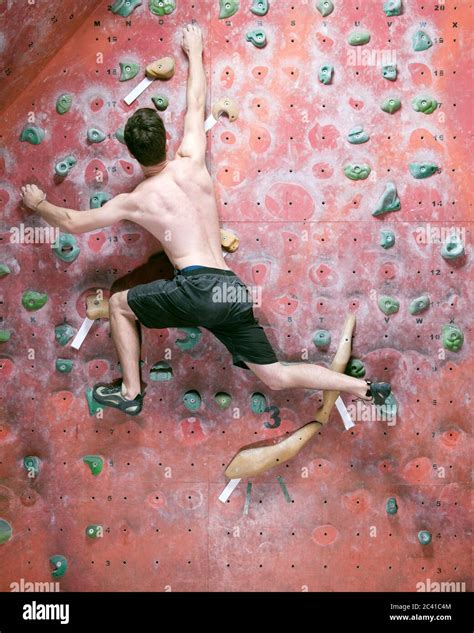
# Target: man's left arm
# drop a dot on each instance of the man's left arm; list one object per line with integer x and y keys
{"x": 72, "y": 221}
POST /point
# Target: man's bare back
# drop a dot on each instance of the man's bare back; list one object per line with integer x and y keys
{"x": 178, "y": 207}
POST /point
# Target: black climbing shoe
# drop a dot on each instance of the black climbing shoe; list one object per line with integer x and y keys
{"x": 378, "y": 392}
{"x": 111, "y": 396}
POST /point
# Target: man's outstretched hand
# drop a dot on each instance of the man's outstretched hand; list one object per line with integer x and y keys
{"x": 192, "y": 40}
{"x": 31, "y": 196}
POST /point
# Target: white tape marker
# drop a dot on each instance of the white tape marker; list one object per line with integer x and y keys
{"x": 83, "y": 332}
{"x": 137, "y": 91}
{"x": 344, "y": 413}
{"x": 209, "y": 122}
{"x": 228, "y": 490}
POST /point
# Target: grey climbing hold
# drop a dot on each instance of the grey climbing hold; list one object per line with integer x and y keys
{"x": 259, "y": 7}
{"x": 422, "y": 170}
{"x": 425, "y": 104}
{"x": 160, "y": 102}
{"x": 388, "y": 201}
{"x": 325, "y": 74}
{"x": 452, "y": 247}
{"x": 64, "y": 166}
{"x": 161, "y": 371}
{"x": 325, "y": 7}
{"x": 125, "y": 7}
{"x": 99, "y": 199}
{"x": 94, "y": 135}
{"x": 358, "y": 38}
{"x": 421, "y": 41}
{"x": 392, "y": 7}
{"x": 388, "y": 410}
{"x": 357, "y": 135}
{"x": 388, "y": 305}
{"x": 391, "y": 105}
{"x": 387, "y": 238}
{"x": 419, "y": 304}
{"x": 32, "y": 134}
{"x": 322, "y": 338}
{"x": 389, "y": 72}
{"x": 63, "y": 103}
{"x": 119, "y": 135}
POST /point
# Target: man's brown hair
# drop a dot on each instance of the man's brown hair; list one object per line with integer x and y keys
{"x": 145, "y": 137}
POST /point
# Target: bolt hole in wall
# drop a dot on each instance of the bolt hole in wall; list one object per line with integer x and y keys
{"x": 275, "y": 186}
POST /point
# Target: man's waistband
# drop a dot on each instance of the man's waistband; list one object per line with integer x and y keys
{"x": 203, "y": 270}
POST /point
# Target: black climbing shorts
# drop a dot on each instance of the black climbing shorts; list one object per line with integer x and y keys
{"x": 212, "y": 298}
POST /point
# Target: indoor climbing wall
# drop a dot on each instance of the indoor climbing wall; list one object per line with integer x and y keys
{"x": 345, "y": 177}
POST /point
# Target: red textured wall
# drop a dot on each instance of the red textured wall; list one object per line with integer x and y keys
{"x": 308, "y": 238}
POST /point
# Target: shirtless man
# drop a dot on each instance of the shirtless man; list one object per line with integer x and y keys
{"x": 176, "y": 203}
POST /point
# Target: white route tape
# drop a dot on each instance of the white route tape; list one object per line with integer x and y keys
{"x": 137, "y": 91}
{"x": 83, "y": 332}
{"x": 209, "y": 122}
{"x": 229, "y": 489}
{"x": 344, "y": 413}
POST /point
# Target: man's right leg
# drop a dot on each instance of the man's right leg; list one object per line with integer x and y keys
{"x": 124, "y": 329}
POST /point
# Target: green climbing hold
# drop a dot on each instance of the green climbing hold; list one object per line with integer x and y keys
{"x": 160, "y": 102}
{"x": 357, "y": 135}
{"x": 388, "y": 410}
{"x": 391, "y": 506}
{"x": 258, "y": 403}
{"x": 425, "y": 104}
{"x": 419, "y": 304}
{"x": 32, "y": 466}
{"x": 424, "y": 537}
{"x": 192, "y": 400}
{"x": 64, "y": 365}
{"x": 358, "y": 38}
{"x": 421, "y": 41}
{"x": 32, "y": 134}
{"x": 63, "y": 333}
{"x": 4, "y": 270}
{"x": 391, "y": 105}
{"x": 63, "y": 103}
{"x": 325, "y": 7}
{"x": 192, "y": 338}
{"x": 6, "y": 531}
{"x": 356, "y": 171}
{"x": 95, "y": 135}
{"x": 5, "y": 336}
{"x": 66, "y": 248}
{"x": 125, "y": 7}
{"x": 325, "y": 74}
{"x": 223, "y": 399}
{"x": 128, "y": 70}
{"x": 452, "y": 247}
{"x": 389, "y": 72}
{"x": 257, "y": 37}
{"x": 228, "y": 8}
{"x": 453, "y": 338}
{"x": 95, "y": 463}
{"x": 322, "y": 338}
{"x": 388, "y": 305}
{"x": 259, "y": 7}
{"x": 162, "y": 7}
{"x": 63, "y": 167}
{"x": 392, "y": 7}
{"x": 60, "y": 565}
{"x": 92, "y": 404}
{"x": 422, "y": 170}
{"x": 119, "y": 135}
{"x": 33, "y": 300}
{"x": 99, "y": 199}
{"x": 388, "y": 201}
{"x": 387, "y": 238}
{"x": 94, "y": 531}
{"x": 161, "y": 371}
{"x": 355, "y": 367}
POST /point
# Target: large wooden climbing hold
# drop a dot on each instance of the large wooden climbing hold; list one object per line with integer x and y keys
{"x": 97, "y": 308}
{"x": 226, "y": 106}
{"x": 160, "y": 69}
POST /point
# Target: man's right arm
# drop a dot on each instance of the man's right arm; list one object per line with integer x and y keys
{"x": 194, "y": 140}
